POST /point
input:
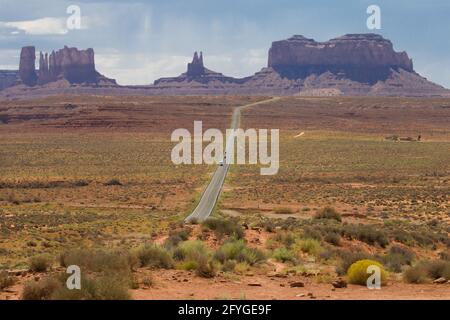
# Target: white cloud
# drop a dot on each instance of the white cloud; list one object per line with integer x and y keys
{"x": 139, "y": 69}
{"x": 143, "y": 68}
{"x": 43, "y": 26}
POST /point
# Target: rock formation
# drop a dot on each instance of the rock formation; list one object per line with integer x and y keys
{"x": 354, "y": 64}
{"x": 196, "y": 74}
{"x": 70, "y": 64}
{"x": 196, "y": 68}
{"x": 366, "y": 58}
{"x": 27, "y": 69}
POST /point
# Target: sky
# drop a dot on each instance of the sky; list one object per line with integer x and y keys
{"x": 137, "y": 41}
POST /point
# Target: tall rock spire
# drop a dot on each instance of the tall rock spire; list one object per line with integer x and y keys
{"x": 196, "y": 68}
{"x": 27, "y": 66}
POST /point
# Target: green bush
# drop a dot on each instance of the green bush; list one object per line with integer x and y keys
{"x": 357, "y": 273}
{"x": 40, "y": 263}
{"x": 284, "y": 255}
{"x": 310, "y": 246}
{"x": 193, "y": 250}
{"x": 151, "y": 255}
{"x": 188, "y": 265}
{"x": 224, "y": 227}
{"x": 328, "y": 213}
{"x": 238, "y": 251}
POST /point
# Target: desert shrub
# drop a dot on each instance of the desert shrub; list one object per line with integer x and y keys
{"x": 367, "y": 234}
{"x": 224, "y": 227}
{"x": 177, "y": 237}
{"x": 241, "y": 267}
{"x": 357, "y": 273}
{"x": 310, "y": 246}
{"x": 151, "y": 255}
{"x": 347, "y": 258}
{"x": 445, "y": 255}
{"x": 238, "y": 251}
{"x": 312, "y": 233}
{"x": 188, "y": 265}
{"x": 285, "y": 238}
{"x": 328, "y": 213}
{"x": 284, "y": 255}
{"x": 269, "y": 226}
{"x": 426, "y": 271}
{"x": 193, "y": 250}
{"x": 397, "y": 257}
{"x": 40, "y": 290}
{"x": 148, "y": 281}
{"x": 113, "y": 182}
{"x": 96, "y": 288}
{"x": 424, "y": 239}
{"x": 284, "y": 211}
{"x": 98, "y": 260}
{"x": 333, "y": 238}
{"x": 404, "y": 237}
{"x": 206, "y": 268}
{"x": 81, "y": 183}
{"x": 229, "y": 265}
{"x": 40, "y": 263}
{"x": 416, "y": 274}
{"x": 5, "y": 280}
{"x": 438, "y": 269}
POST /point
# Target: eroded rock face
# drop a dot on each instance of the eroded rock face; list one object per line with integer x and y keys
{"x": 196, "y": 67}
{"x": 365, "y": 58}
{"x": 70, "y": 64}
{"x": 76, "y": 66}
{"x": 196, "y": 75}
{"x": 27, "y": 69}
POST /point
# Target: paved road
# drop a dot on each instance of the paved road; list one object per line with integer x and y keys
{"x": 211, "y": 194}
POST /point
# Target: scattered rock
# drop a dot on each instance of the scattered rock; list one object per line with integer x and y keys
{"x": 254, "y": 284}
{"x": 297, "y": 284}
{"x": 339, "y": 283}
{"x": 440, "y": 280}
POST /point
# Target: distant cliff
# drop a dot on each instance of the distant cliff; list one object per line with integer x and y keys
{"x": 70, "y": 64}
{"x": 364, "y": 58}
{"x": 353, "y": 64}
